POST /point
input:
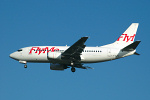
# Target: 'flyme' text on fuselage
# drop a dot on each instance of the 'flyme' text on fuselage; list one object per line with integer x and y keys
{"x": 42, "y": 50}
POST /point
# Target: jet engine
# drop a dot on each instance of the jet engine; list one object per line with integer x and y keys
{"x": 58, "y": 67}
{"x": 54, "y": 55}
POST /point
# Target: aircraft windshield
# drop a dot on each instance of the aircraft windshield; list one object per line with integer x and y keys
{"x": 19, "y": 50}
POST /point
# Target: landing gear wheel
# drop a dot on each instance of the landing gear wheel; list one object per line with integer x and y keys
{"x": 73, "y": 69}
{"x": 25, "y": 66}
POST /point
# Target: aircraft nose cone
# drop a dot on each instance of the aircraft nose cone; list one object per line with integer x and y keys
{"x": 11, "y": 55}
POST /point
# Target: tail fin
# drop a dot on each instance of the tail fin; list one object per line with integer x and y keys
{"x": 128, "y": 36}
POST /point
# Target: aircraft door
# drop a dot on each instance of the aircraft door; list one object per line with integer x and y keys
{"x": 109, "y": 53}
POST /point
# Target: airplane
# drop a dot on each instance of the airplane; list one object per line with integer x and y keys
{"x": 75, "y": 56}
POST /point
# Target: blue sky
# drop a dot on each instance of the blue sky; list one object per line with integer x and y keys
{"x": 62, "y": 22}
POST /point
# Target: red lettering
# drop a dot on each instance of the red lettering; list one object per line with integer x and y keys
{"x": 40, "y": 50}
{"x": 119, "y": 38}
{"x": 45, "y": 49}
{"x": 32, "y": 49}
{"x": 52, "y": 49}
{"x": 132, "y": 37}
{"x": 126, "y": 38}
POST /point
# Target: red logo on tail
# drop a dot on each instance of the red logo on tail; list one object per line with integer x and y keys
{"x": 126, "y": 38}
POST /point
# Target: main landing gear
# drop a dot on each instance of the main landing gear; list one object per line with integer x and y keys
{"x": 72, "y": 65}
{"x": 73, "y": 69}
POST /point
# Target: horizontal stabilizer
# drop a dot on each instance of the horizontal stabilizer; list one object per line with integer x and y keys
{"x": 132, "y": 46}
{"x": 136, "y": 53}
{"x": 86, "y": 67}
{"x": 83, "y": 67}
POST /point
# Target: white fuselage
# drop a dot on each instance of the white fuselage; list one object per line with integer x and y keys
{"x": 89, "y": 54}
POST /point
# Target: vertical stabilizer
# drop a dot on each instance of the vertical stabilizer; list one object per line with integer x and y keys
{"x": 128, "y": 36}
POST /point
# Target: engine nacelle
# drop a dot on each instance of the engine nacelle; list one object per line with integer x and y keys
{"x": 54, "y": 55}
{"x": 57, "y": 67}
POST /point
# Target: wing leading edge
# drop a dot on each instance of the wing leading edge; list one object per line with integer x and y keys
{"x": 73, "y": 52}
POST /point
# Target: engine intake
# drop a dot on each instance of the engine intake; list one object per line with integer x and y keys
{"x": 54, "y": 55}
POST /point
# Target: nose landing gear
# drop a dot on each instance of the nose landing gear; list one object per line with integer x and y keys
{"x": 24, "y": 62}
{"x": 25, "y": 66}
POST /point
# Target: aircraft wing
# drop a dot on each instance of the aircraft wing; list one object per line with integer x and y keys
{"x": 73, "y": 52}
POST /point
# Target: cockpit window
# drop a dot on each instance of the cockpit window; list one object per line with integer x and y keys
{"x": 19, "y": 50}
